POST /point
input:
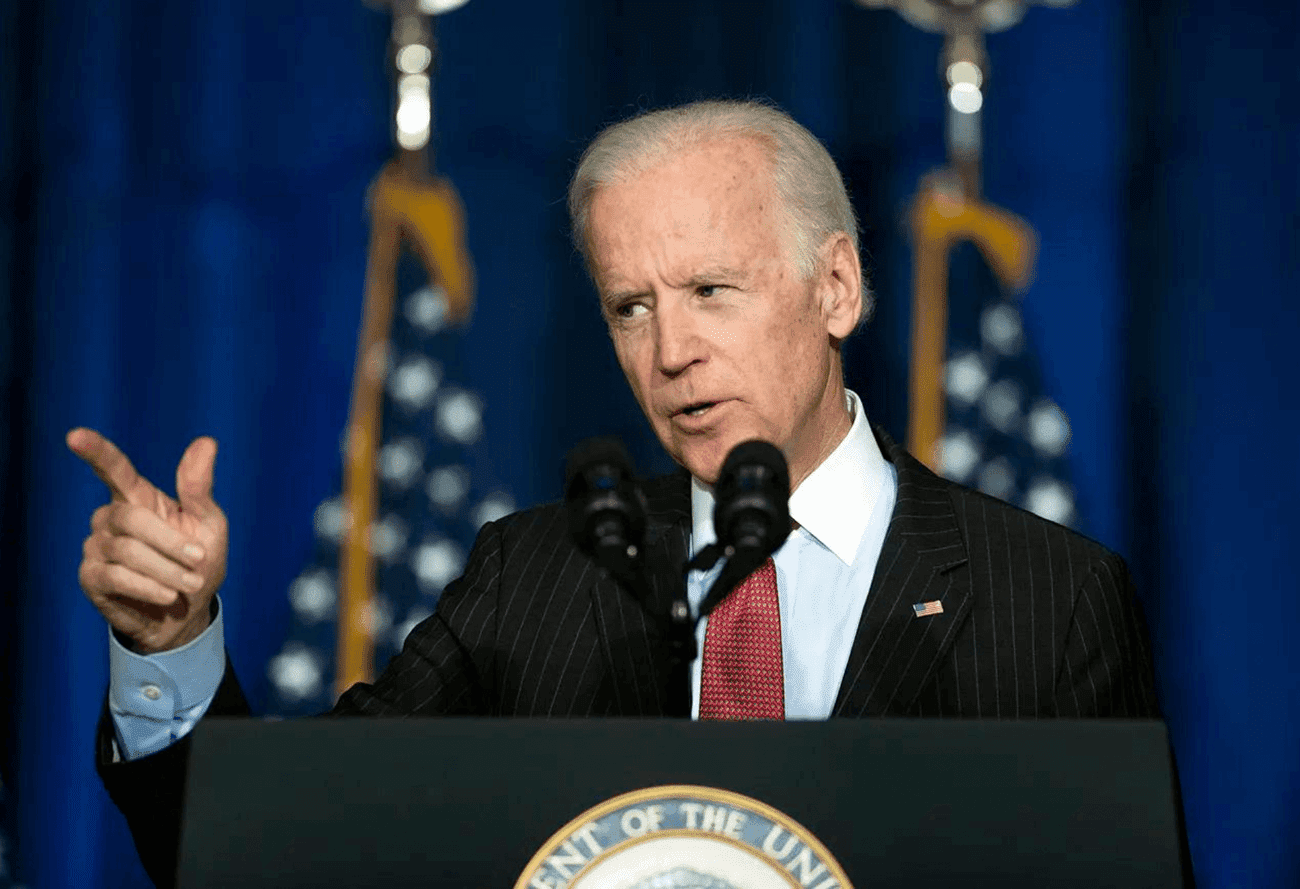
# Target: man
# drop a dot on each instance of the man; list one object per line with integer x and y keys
{"x": 725, "y": 254}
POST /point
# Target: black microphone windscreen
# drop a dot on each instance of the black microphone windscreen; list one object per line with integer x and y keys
{"x": 751, "y": 507}
{"x": 605, "y": 506}
{"x": 756, "y": 453}
{"x": 751, "y": 512}
{"x": 607, "y": 451}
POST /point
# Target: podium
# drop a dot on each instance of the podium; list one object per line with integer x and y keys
{"x": 468, "y": 802}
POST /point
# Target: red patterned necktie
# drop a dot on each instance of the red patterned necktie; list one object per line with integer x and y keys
{"x": 743, "y": 675}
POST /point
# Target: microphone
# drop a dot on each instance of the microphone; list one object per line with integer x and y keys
{"x": 607, "y": 521}
{"x": 605, "y": 506}
{"x": 751, "y": 511}
{"x": 751, "y": 515}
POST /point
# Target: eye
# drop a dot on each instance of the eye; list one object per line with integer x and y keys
{"x": 708, "y": 289}
{"x": 629, "y": 309}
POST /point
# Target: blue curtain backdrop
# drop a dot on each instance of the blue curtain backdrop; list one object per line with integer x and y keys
{"x": 182, "y": 241}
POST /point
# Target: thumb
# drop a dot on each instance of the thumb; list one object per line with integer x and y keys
{"x": 194, "y": 477}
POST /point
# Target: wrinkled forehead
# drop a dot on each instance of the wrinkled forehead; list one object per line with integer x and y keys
{"x": 715, "y": 145}
{"x": 699, "y": 184}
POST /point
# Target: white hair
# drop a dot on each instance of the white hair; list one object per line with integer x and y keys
{"x": 813, "y": 199}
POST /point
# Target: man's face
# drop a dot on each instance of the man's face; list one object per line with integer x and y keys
{"x": 716, "y": 332}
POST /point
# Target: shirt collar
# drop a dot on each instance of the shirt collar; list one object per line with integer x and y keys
{"x": 832, "y": 504}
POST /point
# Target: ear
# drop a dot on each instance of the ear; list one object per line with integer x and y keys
{"x": 840, "y": 280}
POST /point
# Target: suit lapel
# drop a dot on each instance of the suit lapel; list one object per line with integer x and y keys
{"x": 633, "y": 644}
{"x": 923, "y": 560}
{"x": 894, "y": 652}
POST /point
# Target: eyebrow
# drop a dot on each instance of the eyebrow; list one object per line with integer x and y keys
{"x": 713, "y": 275}
{"x": 699, "y": 279}
{"x": 618, "y": 296}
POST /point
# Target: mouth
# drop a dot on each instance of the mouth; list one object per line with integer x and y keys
{"x": 698, "y": 416}
{"x": 698, "y": 409}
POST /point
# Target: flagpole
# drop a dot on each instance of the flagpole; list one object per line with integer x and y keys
{"x": 409, "y": 207}
{"x": 947, "y": 209}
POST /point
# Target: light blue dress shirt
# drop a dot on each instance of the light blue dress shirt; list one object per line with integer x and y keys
{"x": 823, "y": 574}
{"x": 156, "y": 699}
{"x": 823, "y": 570}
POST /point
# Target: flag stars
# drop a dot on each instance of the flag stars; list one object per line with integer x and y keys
{"x": 967, "y": 378}
{"x": 296, "y": 672}
{"x": 959, "y": 454}
{"x": 414, "y": 382}
{"x": 312, "y": 596}
{"x": 1001, "y": 406}
{"x": 427, "y": 504}
{"x": 997, "y": 478}
{"x": 436, "y": 562}
{"x": 388, "y": 537}
{"x": 1002, "y": 430}
{"x": 460, "y": 416}
{"x": 448, "y": 487}
{"x": 400, "y": 461}
{"x": 1049, "y": 430}
{"x": 330, "y": 520}
{"x": 1000, "y": 328}
{"x": 426, "y": 309}
{"x": 493, "y": 507}
{"x": 1051, "y": 500}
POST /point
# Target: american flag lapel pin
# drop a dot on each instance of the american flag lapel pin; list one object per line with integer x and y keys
{"x": 926, "y": 609}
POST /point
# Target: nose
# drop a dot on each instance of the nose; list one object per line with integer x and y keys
{"x": 678, "y": 343}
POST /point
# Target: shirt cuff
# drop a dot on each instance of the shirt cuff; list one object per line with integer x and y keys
{"x": 156, "y": 699}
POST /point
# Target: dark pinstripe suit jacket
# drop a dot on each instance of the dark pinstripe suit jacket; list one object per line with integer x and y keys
{"x": 1037, "y": 621}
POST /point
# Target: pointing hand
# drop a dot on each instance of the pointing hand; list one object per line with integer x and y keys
{"x": 152, "y": 564}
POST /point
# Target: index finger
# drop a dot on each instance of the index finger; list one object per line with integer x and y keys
{"x": 143, "y": 524}
{"x": 109, "y": 463}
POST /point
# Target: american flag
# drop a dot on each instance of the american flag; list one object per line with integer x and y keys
{"x": 1004, "y": 434}
{"x": 435, "y": 492}
{"x": 926, "y": 609}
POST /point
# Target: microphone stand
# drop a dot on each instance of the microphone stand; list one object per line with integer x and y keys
{"x": 678, "y": 628}
{"x": 682, "y": 626}
{"x": 607, "y": 521}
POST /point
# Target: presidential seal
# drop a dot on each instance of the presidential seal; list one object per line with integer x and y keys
{"x": 680, "y": 836}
